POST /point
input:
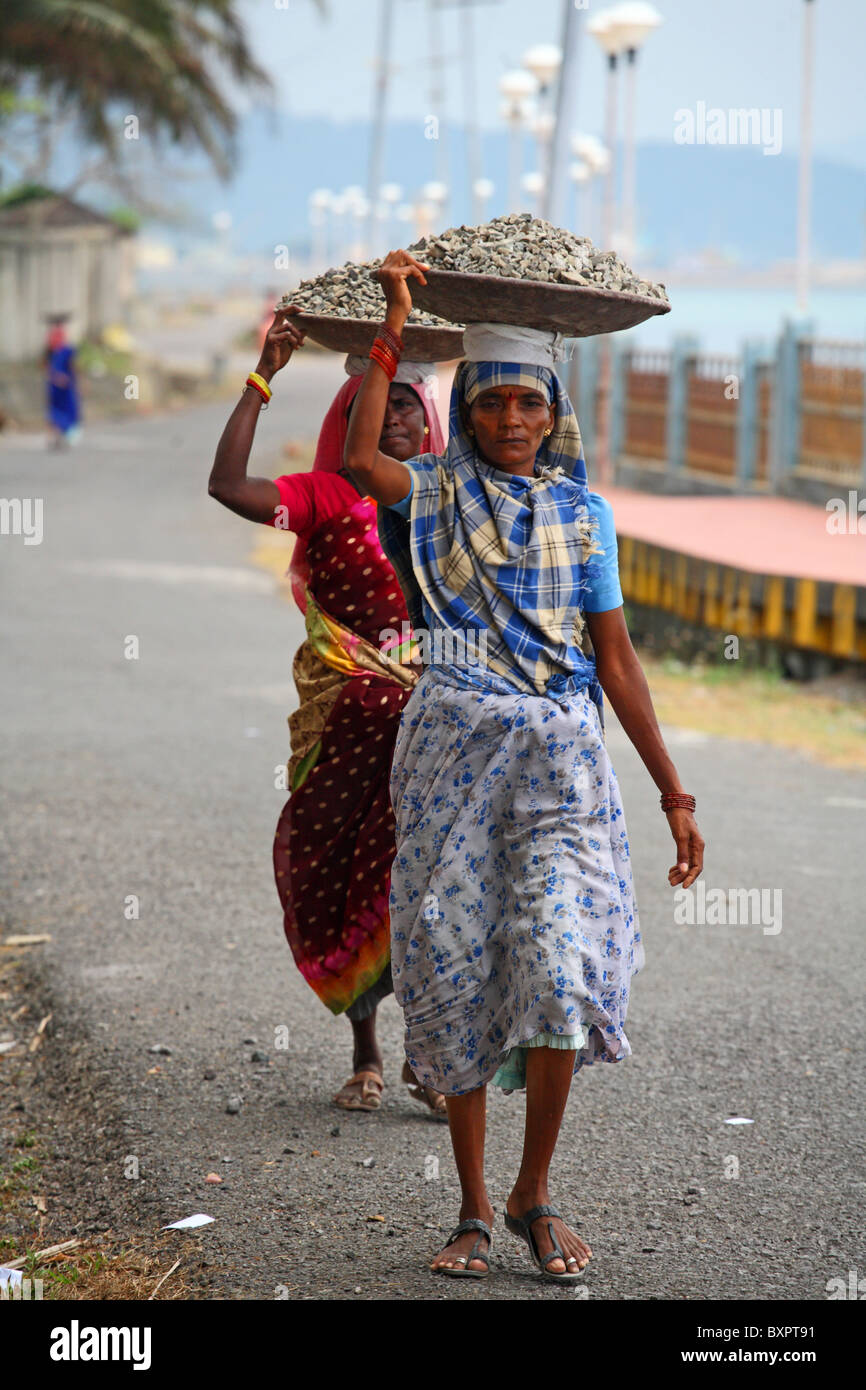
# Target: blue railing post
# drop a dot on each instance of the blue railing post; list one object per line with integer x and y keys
{"x": 683, "y": 352}
{"x": 619, "y": 366}
{"x": 587, "y": 392}
{"x": 787, "y": 394}
{"x": 747, "y": 417}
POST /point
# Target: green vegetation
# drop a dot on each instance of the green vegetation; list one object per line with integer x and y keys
{"x": 164, "y": 60}
{"x": 24, "y": 193}
{"x": 98, "y": 360}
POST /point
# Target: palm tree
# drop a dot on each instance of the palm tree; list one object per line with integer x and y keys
{"x": 161, "y": 60}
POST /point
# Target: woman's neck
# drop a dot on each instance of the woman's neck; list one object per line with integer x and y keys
{"x": 523, "y": 470}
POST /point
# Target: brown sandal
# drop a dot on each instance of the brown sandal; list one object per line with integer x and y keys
{"x": 363, "y": 1091}
{"x": 434, "y": 1100}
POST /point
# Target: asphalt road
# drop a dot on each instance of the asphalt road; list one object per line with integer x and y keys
{"x": 154, "y": 777}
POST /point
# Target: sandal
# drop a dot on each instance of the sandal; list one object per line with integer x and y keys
{"x": 472, "y": 1223}
{"x": 366, "y": 1095}
{"x": 522, "y": 1226}
{"x": 434, "y": 1100}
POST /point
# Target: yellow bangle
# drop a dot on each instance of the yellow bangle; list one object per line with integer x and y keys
{"x": 260, "y": 381}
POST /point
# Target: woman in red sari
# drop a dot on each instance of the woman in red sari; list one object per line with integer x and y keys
{"x": 335, "y": 838}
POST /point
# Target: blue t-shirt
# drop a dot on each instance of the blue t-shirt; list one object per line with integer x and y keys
{"x": 603, "y": 591}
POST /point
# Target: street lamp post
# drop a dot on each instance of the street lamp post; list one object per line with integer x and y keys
{"x": 541, "y": 125}
{"x": 470, "y": 96}
{"x": 565, "y": 93}
{"x": 596, "y": 156}
{"x": 604, "y": 29}
{"x": 635, "y": 21}
{"x": 377, "y": 143}
{"x": 543, "y": 61}
{"x": 804, "y": 189}
{"x": 517, "y": 88}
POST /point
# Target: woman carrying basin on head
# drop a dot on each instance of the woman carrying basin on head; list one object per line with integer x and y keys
{"x": 335, "y": 838}
{"x": 514, "y": 928}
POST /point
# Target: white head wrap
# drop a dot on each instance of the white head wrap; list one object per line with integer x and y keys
{"x": 511, "y": 342}
{"x": 406, "y": 373}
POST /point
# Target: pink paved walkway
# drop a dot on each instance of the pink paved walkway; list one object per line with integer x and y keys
{"x": 767, "y": 535}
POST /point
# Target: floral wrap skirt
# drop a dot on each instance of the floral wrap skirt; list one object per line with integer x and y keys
{"x": 512, "y": 906}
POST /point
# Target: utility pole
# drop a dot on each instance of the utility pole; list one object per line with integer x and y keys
{"x": 377, "y": 144}
{"x": 470, "y": 98}
{"x": 804, "y": 192}
{"x": 438, "y": 103}
{"x": 556, "y": 173}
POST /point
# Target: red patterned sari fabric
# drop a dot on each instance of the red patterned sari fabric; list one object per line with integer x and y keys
{"x": 334, "y": 843}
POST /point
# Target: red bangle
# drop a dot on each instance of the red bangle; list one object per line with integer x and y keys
{"x": 387, "y": 348}
{"x": 670, "y": 801}
{"x": 387, "y": 362}
{"x": 391, "y": 337}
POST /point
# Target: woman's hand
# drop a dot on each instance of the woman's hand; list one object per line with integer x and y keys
{"x": 282, "y": 339}
{"x": 393, "y": 275}
{"x": 690, "y": 848}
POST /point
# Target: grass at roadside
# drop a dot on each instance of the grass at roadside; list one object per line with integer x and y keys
{"x": 113, "y": 1270}
{"x": 825, "y": 720}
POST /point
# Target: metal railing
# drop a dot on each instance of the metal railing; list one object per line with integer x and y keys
{"x": 756, "y": 421}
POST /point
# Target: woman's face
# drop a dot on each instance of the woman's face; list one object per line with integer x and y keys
{"x": 402, "y": 434}
{"x": 509, "y": 424}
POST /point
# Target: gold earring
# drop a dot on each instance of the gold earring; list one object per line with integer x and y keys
{"x": 547, "y": 432}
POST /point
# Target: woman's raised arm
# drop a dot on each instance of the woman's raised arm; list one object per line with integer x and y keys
{"x": 254, "y": 498}
{"x": 383, "y": 477}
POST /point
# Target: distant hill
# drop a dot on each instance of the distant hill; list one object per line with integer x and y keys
{"x": 690, "y": 196}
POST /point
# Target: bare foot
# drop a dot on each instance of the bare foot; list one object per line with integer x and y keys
{"x": 577, "y": 1253}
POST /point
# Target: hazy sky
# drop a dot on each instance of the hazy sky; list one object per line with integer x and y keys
{"x": 726, "y": 53}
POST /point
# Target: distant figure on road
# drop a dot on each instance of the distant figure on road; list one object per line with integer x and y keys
{"x": 335, "y": 838}
{"x": 64, "y": 411}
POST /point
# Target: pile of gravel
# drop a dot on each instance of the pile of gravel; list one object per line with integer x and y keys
{"x": 520, "y": 247}
{"x": 351, "y": 291}
{"x": 523, "y": 247}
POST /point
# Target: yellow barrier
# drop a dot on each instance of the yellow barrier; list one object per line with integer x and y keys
{"x": 715, "y": 596}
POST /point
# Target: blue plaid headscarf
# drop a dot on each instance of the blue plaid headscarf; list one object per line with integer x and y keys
{"x": 489, "y": 549}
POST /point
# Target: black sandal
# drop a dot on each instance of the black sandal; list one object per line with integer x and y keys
{"x": 472, "y": 1223}
{"x": 522, "y": 1226}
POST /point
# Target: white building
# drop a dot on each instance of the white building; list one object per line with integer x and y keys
{"x": 59, "y": 257}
